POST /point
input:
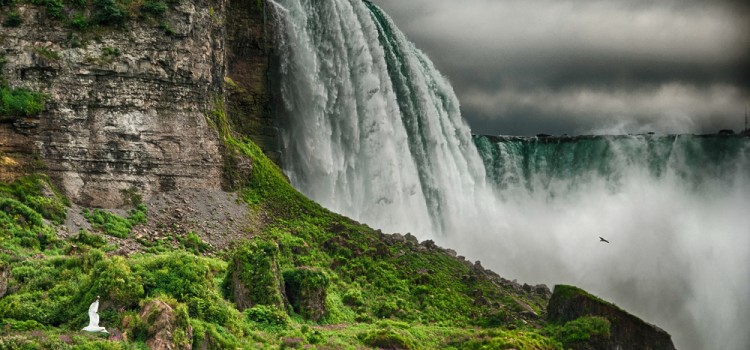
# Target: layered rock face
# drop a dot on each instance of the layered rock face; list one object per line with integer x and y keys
{"x": 127, "y": 108}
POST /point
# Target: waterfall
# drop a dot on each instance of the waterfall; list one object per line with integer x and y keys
{"x": 372, "y": 130}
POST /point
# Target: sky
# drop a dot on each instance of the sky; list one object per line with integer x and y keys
{"x": 524, "y": 67}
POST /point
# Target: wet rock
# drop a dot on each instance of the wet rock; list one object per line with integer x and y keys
{"x": 543, "y": 290}
{"x": 626, "y": 331}
{"x": 411, "y": 239}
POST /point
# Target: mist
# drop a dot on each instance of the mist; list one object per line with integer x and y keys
{"x": 679, "y": 252}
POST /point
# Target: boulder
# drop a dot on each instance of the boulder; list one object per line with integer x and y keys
{"x": 168, "y": 328}
{"x": 306, "y": 291}
{"x": 254, "y": 277}
{"x": 626, "y": 331}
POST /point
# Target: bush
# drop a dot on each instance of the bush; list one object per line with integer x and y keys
{"x": 90, "y": 239}
{"x": 79, "y": 22}
{"x": 115, "y": 225}
{"x": 54, "y": 8}
{"x": 15, "y": 325}
{"x": 193, "y": 243}
{"x": 154, "y": 7}
{"x": 20, "y": 103}
{"x": 266, "y": 315}
{"x": 130, "y": 194}
{"x": 389, "y": 338}
{"x": 13, "y": 19}
{"x": 111, "y": 224}
{"x": 114, "y": 280}
{"x": 108, "y": 12}
{"x": 187, "y": 278}
{"x": 353, "y": 297}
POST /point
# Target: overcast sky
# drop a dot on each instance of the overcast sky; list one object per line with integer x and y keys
{"x": 522, "y": 67}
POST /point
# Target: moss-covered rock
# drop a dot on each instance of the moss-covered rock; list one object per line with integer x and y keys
{"x": 388, "y": 337}
{"x": 570, "y": 306}
{"x": 306, "y": 291}
{"x": 168, "y": 327}
{"x": 4, "y": 276}
{"x": 254, "y": 277}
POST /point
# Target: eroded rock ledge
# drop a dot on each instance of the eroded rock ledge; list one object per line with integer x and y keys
{"x": 626, "y": 331}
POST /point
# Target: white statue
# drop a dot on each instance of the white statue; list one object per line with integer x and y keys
{"x": 94, "y": 319}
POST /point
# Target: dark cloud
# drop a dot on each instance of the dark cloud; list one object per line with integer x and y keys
{"x": 513, "y": 63}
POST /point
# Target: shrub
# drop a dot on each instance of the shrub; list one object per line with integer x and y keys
{"x": 114, "y": 280}
{"x": 108, "y": 12}
{"x": 389, "y": 338}
{"x": 137, "y": 215}
{"x": 353, "y": 297}
{"x": 90, "y": 239}
{"x": 115, "y": 225}
{"x": 54, "y": 8}
{"x": 131, "y": 194}
{"x": 29, "y": 191}
{"x": 51, "y": 208}
{"x": 47, "y": 53}
{"x": 154, "y": 7}
{"x": 79, "y": 22}
{"x": 111, "y": 224}
{"x": 190, "y": 280}
{"x": 20, "y": 102}
{"x": 21, "y": 325}
{"x": 193, "y": 243}
{"x": 13, "y": 19}
{"x": 266, "y": 315}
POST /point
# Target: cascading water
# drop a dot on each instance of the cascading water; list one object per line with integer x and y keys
{"x": 372, "y": 130}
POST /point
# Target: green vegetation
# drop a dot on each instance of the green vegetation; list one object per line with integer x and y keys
{"x": 83, "y": 15}
{"x": 47, "y": 53}
{"x": 12, "y": 19}
{"x": 308, "y": 278}
{"x": 113, "y": 224}
{"x": 254, "y": 270}
{"x": 566, "y": 292}
{"x": 20, "y": 102}
{"x": 580, "y": 330}
{"x": 154, "y": 7}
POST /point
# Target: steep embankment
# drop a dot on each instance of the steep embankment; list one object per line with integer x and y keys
{"x": 149, "y": 108}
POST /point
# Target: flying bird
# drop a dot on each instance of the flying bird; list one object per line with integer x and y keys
{"x": 601, "y": 239}
{"x": 93, "y": 326}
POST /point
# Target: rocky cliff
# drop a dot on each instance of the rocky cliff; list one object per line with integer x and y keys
{"x": 127, "y": 107}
